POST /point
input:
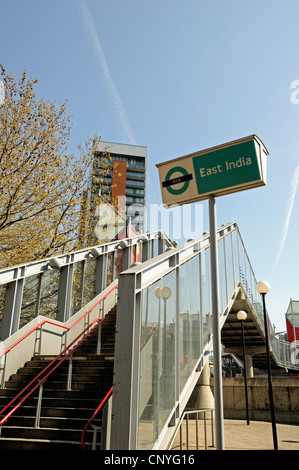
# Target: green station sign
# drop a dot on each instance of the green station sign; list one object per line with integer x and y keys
{"x": 225, "y": 169}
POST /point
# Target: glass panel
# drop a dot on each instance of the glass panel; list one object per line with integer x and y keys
{"x": 206, "y": 295}
{"x": 195, "y": 310}
{"x": 29, "y": 300}
{"x": 222, "y": 276}
{"x": 251, "y": 290}
{"x": 77, "y": 290}
{"x": 157, "y": 360}
{"x": 247, "y": 275}
{"x": 118, "y": 260}
{"x": 242, "y": 266}
{"x": 49, "y": 294}
{"x": 89, "y": 291}
{"x": 229, "y": 261}
{"x": 110, "y": 262}
{"x": 155, "y": 247}
{"x": 235, "y": 252}
{"x": 189, "y": 320}
{"x": 293, "y": 307}
{"x": 293, "y": 313}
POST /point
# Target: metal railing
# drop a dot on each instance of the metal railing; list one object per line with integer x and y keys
{"x": 190, "y": 433}
{"x": 58, "y": 287}
{"x": 89, "y": 423}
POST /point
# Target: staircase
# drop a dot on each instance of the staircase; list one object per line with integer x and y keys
{"x": 64, "y": 413}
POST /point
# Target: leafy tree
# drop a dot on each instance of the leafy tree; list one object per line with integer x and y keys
{"x": 43, "y": 200}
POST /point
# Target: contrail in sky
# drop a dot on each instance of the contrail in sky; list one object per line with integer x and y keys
{"x": 293, "y": 191}
{"x": 99, "y": 53}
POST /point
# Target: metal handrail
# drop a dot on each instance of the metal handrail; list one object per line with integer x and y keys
{"x": 179, "y": 428}
{"x": 103, "y": 402}
{"x": 40, "y": 380}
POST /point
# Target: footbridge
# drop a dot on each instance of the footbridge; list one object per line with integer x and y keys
{"x": 161, "y": 294}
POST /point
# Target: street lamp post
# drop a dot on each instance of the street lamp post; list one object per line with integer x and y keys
{"x": 263, "y": 288}
{"x": 241, "y": 315}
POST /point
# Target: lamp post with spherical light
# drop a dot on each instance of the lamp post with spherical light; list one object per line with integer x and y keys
{"x": 263, "y": 288}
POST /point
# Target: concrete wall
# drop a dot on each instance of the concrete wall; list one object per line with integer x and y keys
{"x": 285, "y": 393}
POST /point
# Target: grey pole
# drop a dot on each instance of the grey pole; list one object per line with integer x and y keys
{"x": 216, "y": 328}
{"x": 270, "y": 389}
{"x": 245, "y": 373}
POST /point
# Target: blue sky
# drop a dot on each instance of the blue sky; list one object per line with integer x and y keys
{"x": 179, "y": 77}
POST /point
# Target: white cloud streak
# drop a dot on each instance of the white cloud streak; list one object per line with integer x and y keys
{"x": 100, "y": 56}
{"x": 293, "y": 191}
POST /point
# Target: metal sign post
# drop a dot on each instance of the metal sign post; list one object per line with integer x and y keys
{"x": 217, "y": 359}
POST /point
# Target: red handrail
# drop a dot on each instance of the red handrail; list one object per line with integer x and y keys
{"x": 42, "y": 380}
{"x": 105, "y": 399}
{"x": 56, "y": 324}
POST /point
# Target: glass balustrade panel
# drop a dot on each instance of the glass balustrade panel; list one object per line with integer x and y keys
{"x": 157, "y": 359}
{"x": 29, "y": 308}
{"x": 189, "y": 318}
{"x": 206, "y": 296}
{"x": 229, "y": 263}
{"x": 49, "y": 293}
{"x": 222, "y": 276}
{"x": 77, "y": 287}
{"x": 89, "y": 290}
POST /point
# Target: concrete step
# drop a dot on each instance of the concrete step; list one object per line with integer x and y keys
{"x": 51, "y": 434}
{"x": 39, "y": 444}
{"x": 53, "y": 384}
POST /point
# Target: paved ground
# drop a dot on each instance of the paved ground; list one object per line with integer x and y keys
{"x": 240, "y": 436}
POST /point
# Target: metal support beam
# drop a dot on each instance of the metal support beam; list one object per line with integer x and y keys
{"x": 145, "y": 250}
{"x": 126, "y": 367}
{"x": 127, "y": 257}
{"x": 12, "y": 308}
{"x": 101, "y": 273}
{"x": 65, "y": 292}
{"x": 161, "y": 246}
